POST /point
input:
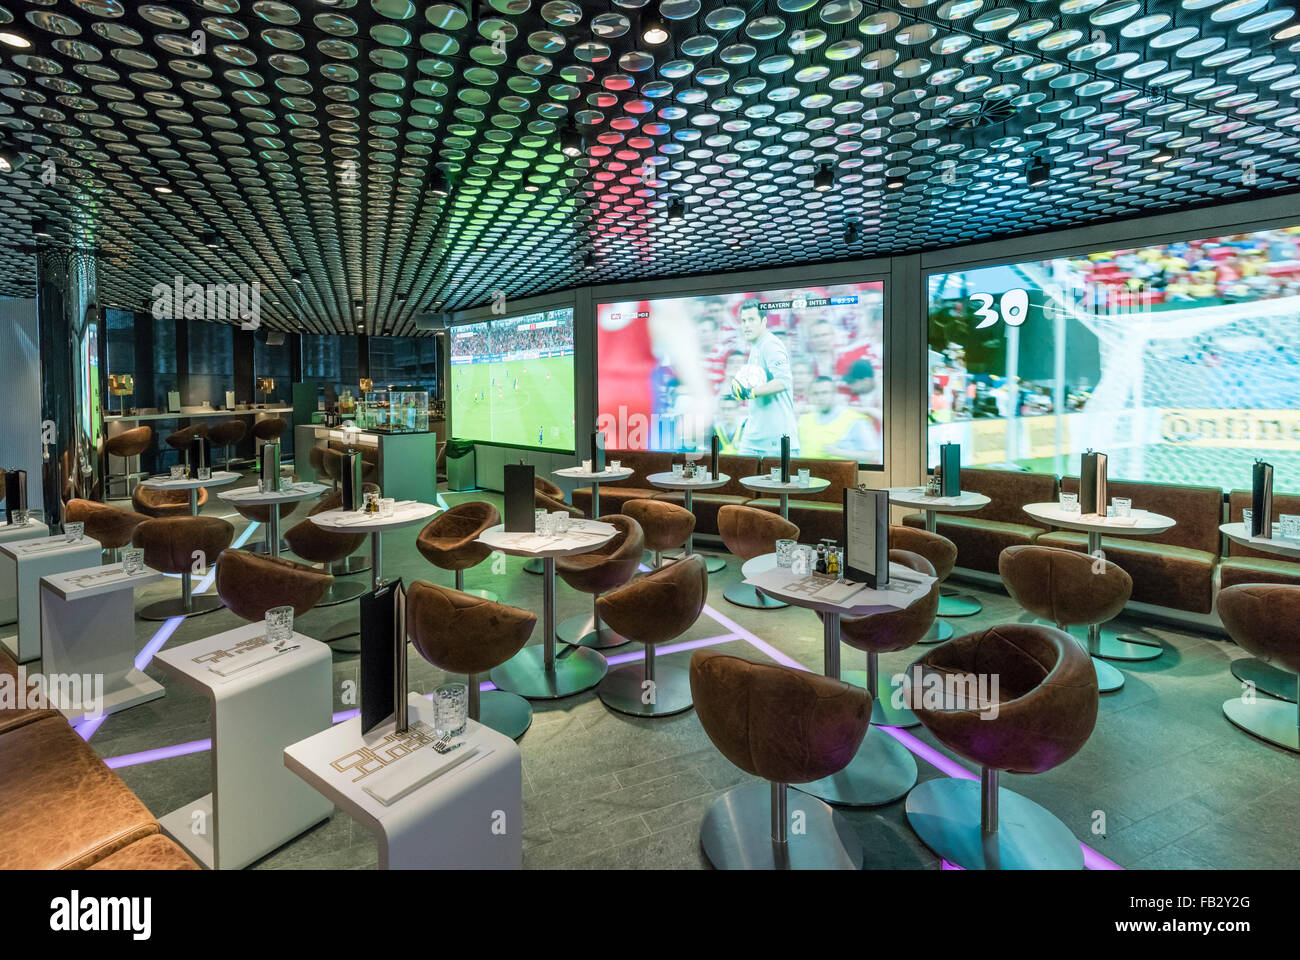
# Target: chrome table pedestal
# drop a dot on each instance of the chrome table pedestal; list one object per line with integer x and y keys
{"x": 186, "y": 605}
{"x": 747, "y": 829}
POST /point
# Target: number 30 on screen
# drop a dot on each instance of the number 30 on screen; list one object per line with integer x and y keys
{"x": 1014, "y": 306}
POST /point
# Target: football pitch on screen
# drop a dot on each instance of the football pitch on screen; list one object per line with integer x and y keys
{"x": 523, "y": 402}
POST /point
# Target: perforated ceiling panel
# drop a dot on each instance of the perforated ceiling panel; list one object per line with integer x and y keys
{"x": 299, "y": 144}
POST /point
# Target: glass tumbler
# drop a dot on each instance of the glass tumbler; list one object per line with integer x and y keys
{"x": 1069, "y": 503}
{"x": 775, "y": 474}
{"x": 785, "y": 552}
{"x": 804, "y": 476}
{"x": 19, "y": 517}
{"x": 1290, "y": 526}
{"x": 279, "y": 625}
{"x": 205, "y": 473}
{"x": 132, "y": 561}
{"x": 678, "y": 470}
{"x": 1246, "y": 517}
{"x": 545, "y": 524}
{"x": 560, "y": 523}
{"x": 1121, "y": 507}
{"x": 178, "y": 472}
{"x": 450, "y": 709}
{"x": 73, "y": 531}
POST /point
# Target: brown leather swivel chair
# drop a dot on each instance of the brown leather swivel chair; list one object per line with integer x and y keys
{"x": 785, "y": 726}
{"x": 165, "y": 503}
{"x": 549, "y": 497}
{"x": 942, "y": 555}
{"x": 226, "y": 434}
{"x": 112, "y": 527}
{"x": 1261, "y": 618}
{"x": 608, "y": 566}
{"x": 1039, "y": 715}
{"x": 889, "y": 632}
{"x": 653, "y": 609}
{"x": 448, "y": 541}
{"x": 749, "y": 532}
{"x": 328, "y": 548}
{"x": 666, "y": 525}
{"x": 128, "y": 445}
{"x": 461, "y": 633}
{"x": 1068, "y": 588}
{"x": 170, "y": 545}
{"x": 250, "y": 584}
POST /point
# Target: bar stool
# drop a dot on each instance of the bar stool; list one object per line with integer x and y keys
{"x": 749, "y": 532}
{"x": 165, "y": 503}
{"x": 111, "y": 526}
{"x": 942, "y": 554}
{"x": 128, "y": 445}
{"x": 666, "y": 525}
{"x": 327, "y": 547}
{"x": 170, "y": 545}
{"x": 226, "y": 434}
{"x": 448, "y": 541}
{"x": 887, "y": 633}
{"x": 270, "y": 429}
{"x": 460, "y": 633}
{"x": 261, "y": 513}
{"x": 250, "y": 584}
{"x": 785, "y": 726}
{"x": 180, "y": 440}
{"x": 1066, "y": 588}
{"x": 1261, "y": 619}
{"x": 653, "y": 609}
{"x": 1041, "y": 715}
{"x": 547, "y": 496}
{"x": 608, "y": 566}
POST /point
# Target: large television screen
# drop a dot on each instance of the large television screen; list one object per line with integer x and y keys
{"x": 512, "y": 380}
{"x": 749, "y": 367}
{"x": 1179, "y": 361}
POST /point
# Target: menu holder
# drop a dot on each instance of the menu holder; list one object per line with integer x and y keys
{"x": 715, "y": 449}
{"x": 200, "y": 456}
{"x": 598, "y": 451}
{"x": 519, "y": 500}
{"x": 383, "y": 657}
{"x": 950, "y": 469}
{"x": 1092, "y": 483}
{"x": 173, "y": 401}
{"x": 866, "y": 536}
{"x": 269, "y": 466}
{"x": 351, "y": 488}
{"x": 15, "y": 493}
{"x": 785, "y": 459}
{"x": 1261, "y": 500}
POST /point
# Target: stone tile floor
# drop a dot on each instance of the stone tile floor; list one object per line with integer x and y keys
{"x": 1164, "y": 782}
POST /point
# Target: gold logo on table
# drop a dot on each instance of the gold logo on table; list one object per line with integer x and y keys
{"x": 393, "y": 747}
{"x": 243, "y": 646}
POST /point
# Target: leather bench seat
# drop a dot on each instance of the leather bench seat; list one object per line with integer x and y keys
{"x": 1163, "y": 574}
{"x": 978, "y": 541}
{"x": 817, "y": 515}
{"x": 14, "y": 717}
{"x": 707, "y": 503}
{"x": 152, "y": 853}
{"x": 1239, "y": 570}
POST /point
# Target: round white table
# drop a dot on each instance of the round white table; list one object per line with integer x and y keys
{"x": 765, "y": 484}
{"x": 667, "y": 481}
{"x": 358, "y": 521}
{"x": 1107, "y": 645}
{"x": 608, "y": 475}
{"x": 1266, "y": 678}
{"x": 536, "y": 672}
{"x": 288, "y": 493}
{"x": 950, "y": 603}
{"x": 883, "y": 769}
{"x": 219, "y": 478}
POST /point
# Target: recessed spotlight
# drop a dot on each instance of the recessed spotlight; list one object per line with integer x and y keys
{"x": 571, "y": 142}
{"x": 676, "y": 209}
{"x": 850, "y": 232}
{"x": 654, "y": 32}
{"x": 298, "y": 276}
{"x": 588, "y": 261}
{"x": 14, "y": 40}
{"x": 895, "y": 184}
{"x": 824, "y": 178}
{"x": 40, "y": 228}
{"x": 162, "y": 189}
{"x": 1037, "y": 172}
{"x": 210, "y": 239}
{"x": 438, "y": 185}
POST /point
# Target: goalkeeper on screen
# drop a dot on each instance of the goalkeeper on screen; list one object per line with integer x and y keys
{"x": 767, "y": 383}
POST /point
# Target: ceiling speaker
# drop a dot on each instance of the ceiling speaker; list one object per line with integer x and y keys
{"x": 431, "y": 321}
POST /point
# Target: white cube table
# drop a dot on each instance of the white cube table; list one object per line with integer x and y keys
{"x": 8, "y": 592}
{"x": 256, "y": 805}
{"x": 469, "y": 817}
{"x": 22, "y": 564}
{"x": 88, "y": 627}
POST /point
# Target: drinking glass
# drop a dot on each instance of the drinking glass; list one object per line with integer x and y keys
{"x": 1246, "y": 517}
{"x": 178, "y": 472}
{"x": 386, "y": 506}
{"x": 678, "y": 470}
{"x": 616, "y": 464}
{"x": 72, "y": 531}
{"x": 1069, "y": 503}
{"x": 1121, "y": 507}
{"x": 804, "y": 476}
{"x": 799, "y": 563}
{"x": 450, "y": 709}
{"x": 538, "y": 515}
{"x": 545, "y": 524}
{"x": 706, "y": 477}
{"x": 132, "y": 561}
{"x": 775, "y": 474}
{"x": 19, "y": 517}
{"x": 586, "y": 466}
{"x": 1290, "y": 526}
{"x": 279, "y": 625}
{"x": 785, "y": 552}
{"x": 205, "y": 473}
{"x": 560, "y": 523}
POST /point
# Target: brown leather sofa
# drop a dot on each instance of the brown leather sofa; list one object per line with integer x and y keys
{"x": 1174, "y": 569}
{"x": 613, "y": 495}
{"x": 707, "y": 503}
{"x": 1246, "y": 565}
{"x": 61, "y": 808}
{"x": 983, "y": 534}
{"x": 818, "y": 515}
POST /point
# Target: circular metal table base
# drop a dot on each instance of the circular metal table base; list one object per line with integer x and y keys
{"x": 880, "y": 772}
{"x": 175, "y": 607}
{"x": 576, "y": 669}
{"x": 488, "y": 595}
{"x": 357, "y": 563}
{"x": 959, "y": 606}
{"x": 883, "y": 711}
{"x": 1108, "y": 678}
{"x": 625, "y": 691}
{"x": 713, "y": 564}
{"x": 580, "y": 631}
{"x": 945, "y": 814}
{"x": 743, "y": 595}
{"x": 340, "y": 592}
{"x": 939, "y": 633}
{"x": 505, "y": 713}
{"x": 1276, "y": 721}
{"x": 1266, "y": 678}
{"x": 737, "y": 834}
{"x": 533, "y": 565}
